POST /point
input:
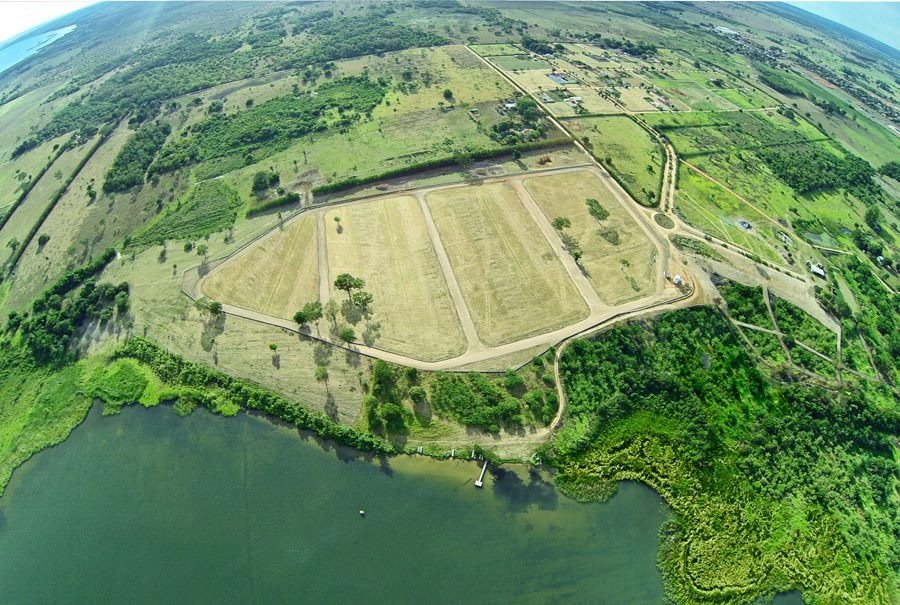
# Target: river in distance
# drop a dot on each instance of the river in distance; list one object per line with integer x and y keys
{"x": 147, "y": 507}
{"x": 21, "y": 50}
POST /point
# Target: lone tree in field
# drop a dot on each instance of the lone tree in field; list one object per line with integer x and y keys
{"x": 214, "y": 307}
{"x": 347, "y": 282}
{"x": 322, "y": 376}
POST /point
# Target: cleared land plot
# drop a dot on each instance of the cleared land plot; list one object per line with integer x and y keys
{"x": 495, "y": 50}
{"x": 593, "y": 102}
{"x": 386, "y": 243}
{"x": 512, "y": 280}
{"x": 693, "y": 95}
{"x": 519, "y": 63}
{"x": 275, "y": 276}
{"x": 635, "y": 99}
{"x": 637, "y": 159}
{"x": 619, "y": 259}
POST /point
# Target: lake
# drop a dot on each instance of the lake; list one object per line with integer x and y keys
{"x": 149, "y": 507}
{"x": 21, "y": 50}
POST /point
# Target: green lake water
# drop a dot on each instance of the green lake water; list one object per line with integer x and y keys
{"x": 147, "y": 507}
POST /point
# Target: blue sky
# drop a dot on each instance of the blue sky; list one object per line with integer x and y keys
{"x": 879, "y": 20}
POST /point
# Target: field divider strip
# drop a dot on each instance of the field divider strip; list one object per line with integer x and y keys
{"x": 322, "y": 258}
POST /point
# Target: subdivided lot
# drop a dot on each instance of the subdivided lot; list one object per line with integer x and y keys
{"x": 275, "y": 276}
{"x": 386, "y": 243}
{"x": 236, "y": 346}
{"x": 627, "y": 150}
{"x": 513, "y": 282}
{"x": 495, "y": 50}
{"x": 619, "y": 259}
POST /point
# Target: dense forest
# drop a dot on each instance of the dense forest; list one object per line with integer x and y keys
{"x": 130, "y": 166}
{"x": 796, "y": 483}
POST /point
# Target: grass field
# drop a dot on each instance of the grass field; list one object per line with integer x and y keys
{"x": 80, "y": 228}
{"x": 619, "y": 259}
{"x": 412, "y": 313}
{"x": 512, "y": 280}
{"x": 637, "y": 159}
{"x": 694, "y": 96}
{"x": 29, "y": 211}
{"x": 275, "y": 276}
{"x": 383, "y": 143}
{"x": 234, "y": 345}
{"x": 519, "y": 63}
{"x": 15, "y": 174}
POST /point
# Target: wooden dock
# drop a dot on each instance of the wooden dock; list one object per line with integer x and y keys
{"x": 480, "y": 481}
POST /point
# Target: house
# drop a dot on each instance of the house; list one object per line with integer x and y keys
{"x": 816, "y": 269}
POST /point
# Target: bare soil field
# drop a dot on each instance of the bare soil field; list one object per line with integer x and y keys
{"x": 276, "y": 276}
{"x": 619, "y": 259}
{"x": 513, "y": 282}
{"x": 413, "y": 313}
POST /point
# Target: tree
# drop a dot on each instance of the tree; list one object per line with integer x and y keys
{"x": 448, "y": 94}
{"x": 273, "y": 346}
{"x": 215, "y": 307}
{"x": 322, "y": 376}
{"x": 873, "y": 218}
{"x": 572, "y": 245}
{"x": 347, "y": 334}
{"x": 260, "y": 182}
{"x": 362, "y": 300}
{"x": 202, "y": 250}
{"x": 331, "y": 310}
{"x": 347, "y": 282}
{"x": 417, "y": 394}
{"x": 122, "y": 301}
{"x": 43, "y": 239}
{"x": 561, "y": 222}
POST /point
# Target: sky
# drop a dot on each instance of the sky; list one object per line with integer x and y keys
{"x": 880, "y": 20}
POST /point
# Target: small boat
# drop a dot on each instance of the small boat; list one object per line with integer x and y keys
{"x": 362, "y": 513}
